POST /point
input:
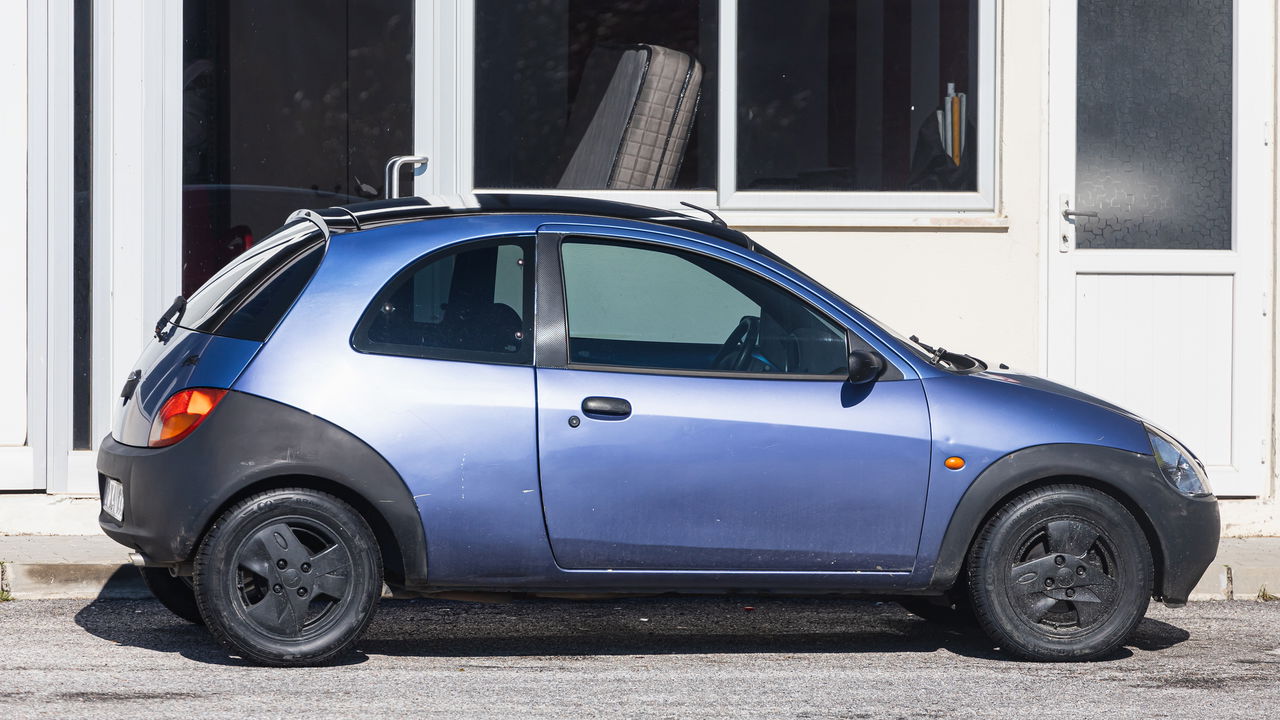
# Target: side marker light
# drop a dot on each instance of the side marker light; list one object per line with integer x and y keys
{"x": 953, "y": 463}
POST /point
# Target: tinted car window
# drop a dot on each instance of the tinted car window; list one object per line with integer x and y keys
{"x": 473, "y": 303}
{"x": 644, "y": 306}
{"x": 248, "y": 297}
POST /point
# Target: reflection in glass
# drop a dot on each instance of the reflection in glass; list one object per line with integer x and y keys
{"x": 869, "y": 95}
{"x": 287, "y": 104}
{"x": 595, "y": 94}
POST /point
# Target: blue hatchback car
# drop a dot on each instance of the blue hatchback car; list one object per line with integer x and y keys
{"x": 545, "y": 395}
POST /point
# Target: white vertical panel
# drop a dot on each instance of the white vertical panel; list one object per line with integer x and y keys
{"x": 50, "y": 229}
{"x": 37, "y": 234}
{"x": 13, "y": 245}
{"x": 1162, "y": 346}
{"x": 126, "y": 181}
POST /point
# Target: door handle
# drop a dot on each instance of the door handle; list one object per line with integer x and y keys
{"x": 1068, "y": 214}
{"x": 607, "y": 406}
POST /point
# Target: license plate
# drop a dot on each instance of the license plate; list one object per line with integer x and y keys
{"x": 113, "y": 499}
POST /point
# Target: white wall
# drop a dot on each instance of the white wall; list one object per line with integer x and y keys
{"x": 13, "y": 240}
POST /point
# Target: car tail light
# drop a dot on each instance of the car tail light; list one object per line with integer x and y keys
{"x": 182, "y": 413}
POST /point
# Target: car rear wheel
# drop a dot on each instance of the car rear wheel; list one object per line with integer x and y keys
{"x": 289, "y": 577}
{"x": 1063, "y": 572}
{"x": 174, "y": 593}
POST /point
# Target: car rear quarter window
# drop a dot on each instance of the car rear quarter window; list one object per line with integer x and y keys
{"x": 249, "y": 297}
{"x": 471, "y": 303}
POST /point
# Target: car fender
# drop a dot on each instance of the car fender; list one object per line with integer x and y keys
{"x": 1182, "y": 531}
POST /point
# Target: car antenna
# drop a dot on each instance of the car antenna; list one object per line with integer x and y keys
{"x": 715, "y": 219}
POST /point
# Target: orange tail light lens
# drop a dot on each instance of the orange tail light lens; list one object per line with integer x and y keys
{"x": 182, "y": 413}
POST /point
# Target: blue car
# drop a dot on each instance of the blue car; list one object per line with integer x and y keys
{"x": 540, "y": 395}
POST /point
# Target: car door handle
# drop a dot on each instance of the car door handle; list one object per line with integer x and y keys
{"x": 606, "y": 406}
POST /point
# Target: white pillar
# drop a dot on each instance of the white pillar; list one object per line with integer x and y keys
{"x": 15, "y": 454}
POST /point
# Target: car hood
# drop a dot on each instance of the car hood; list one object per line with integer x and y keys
{"x": 1034, "y": 382}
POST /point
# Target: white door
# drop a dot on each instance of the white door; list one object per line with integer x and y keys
{"x": 1159, "y": 140}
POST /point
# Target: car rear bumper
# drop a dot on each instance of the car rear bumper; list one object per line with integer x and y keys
{"x": 161, "y": 519}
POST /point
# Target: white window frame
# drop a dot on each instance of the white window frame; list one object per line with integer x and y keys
{"x": 444, "y": 81}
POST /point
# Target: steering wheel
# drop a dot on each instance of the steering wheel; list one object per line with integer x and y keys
{"x": 735, "y": 354}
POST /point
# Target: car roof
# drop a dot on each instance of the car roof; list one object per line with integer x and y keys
{"x": 379, "y": 213}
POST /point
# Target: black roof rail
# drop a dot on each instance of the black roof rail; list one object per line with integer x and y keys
{"x": 521, "y": 202}
{"x": 364, "y": 215}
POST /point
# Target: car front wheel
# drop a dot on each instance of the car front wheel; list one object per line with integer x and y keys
{"x": 289, "y": 577}
{"x": 1060, "y": 573}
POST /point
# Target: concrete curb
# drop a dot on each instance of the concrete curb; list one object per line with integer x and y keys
{"x": 47, "y": 581}
{"x": 1245, "y": 569}
{"x": 1238, "y": 583}
{"x": 67, "y": 566}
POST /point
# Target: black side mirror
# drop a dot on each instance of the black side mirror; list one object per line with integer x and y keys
{"x": 865, "y": 366}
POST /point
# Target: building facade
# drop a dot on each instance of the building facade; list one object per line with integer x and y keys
{"x": 1082, "y": 189}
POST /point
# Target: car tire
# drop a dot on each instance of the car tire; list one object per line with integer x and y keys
{"x": 174, "y": 593}
{"x": 1061, "y": 573}
{"x": 289, "y": 577}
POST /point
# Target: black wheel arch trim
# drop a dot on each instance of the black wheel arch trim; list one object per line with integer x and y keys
{"x": 1182, "y": 531}
{"x": 247, "y": 445}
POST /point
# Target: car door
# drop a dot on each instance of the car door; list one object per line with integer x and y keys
{"x": 697, "y": 416}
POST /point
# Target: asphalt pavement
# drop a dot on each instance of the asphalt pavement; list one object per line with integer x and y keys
{"x": 741, "y": 657}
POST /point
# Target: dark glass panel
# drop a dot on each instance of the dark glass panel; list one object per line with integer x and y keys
{"x": 82, "y": 232}
{"x": 857, "y": 95}
{"x": 287, "y": 104}
{"x": 475, "y": 303}
{"x": 544, "y": 73}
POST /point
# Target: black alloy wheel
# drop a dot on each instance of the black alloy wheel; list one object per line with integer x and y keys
{"x": 1061, "y": 573}
{"x": 289, "y": 577}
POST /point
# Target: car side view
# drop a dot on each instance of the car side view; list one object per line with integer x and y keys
{"x": 547, "y": 396}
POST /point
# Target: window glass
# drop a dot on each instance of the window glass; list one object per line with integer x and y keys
{"x": 642, "y": 306}
{"x": 286, "y": 104}
{"x": 475, "y": 303}
{"x": 259, "y": 314}
{"x": 82, "y": 431}
{"x": 595, "y": 94}
{"x": 868, "y": 95}
{"x": 1149, "y": 191}
{"x": 247, "y": 298}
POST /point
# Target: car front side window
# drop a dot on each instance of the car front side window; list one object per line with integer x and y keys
{"x": 645, "y": 306}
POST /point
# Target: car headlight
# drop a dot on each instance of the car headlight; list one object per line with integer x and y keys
{"x": 1178, "y": 465}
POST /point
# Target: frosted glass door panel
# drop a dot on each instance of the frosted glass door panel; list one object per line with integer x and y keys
{"x": 1153, "y": 124}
